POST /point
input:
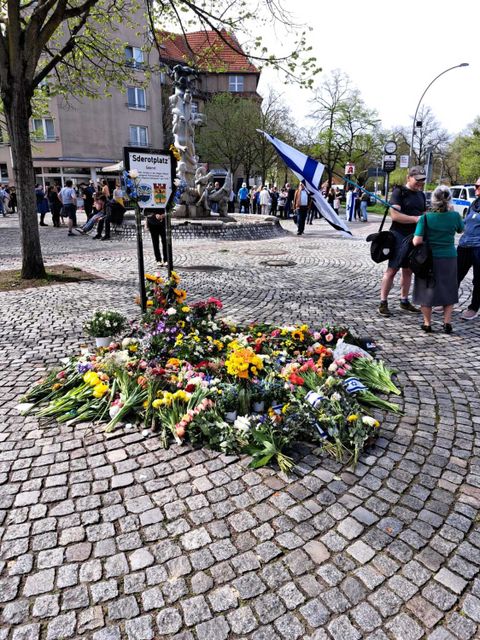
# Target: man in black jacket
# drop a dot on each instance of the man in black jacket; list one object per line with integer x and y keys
{"x": 408, "y": 204}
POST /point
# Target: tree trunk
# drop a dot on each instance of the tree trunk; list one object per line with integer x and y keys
{"x": 17, "y": 114}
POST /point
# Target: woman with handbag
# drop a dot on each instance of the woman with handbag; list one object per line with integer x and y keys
{"x": 438, "y": 228}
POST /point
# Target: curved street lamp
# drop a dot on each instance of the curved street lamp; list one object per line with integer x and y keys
{"x": 457, "y": 66}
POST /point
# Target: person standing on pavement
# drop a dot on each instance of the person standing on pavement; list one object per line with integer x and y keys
{"x": 364, "y": 200}
{"x": 157, "y": 226}
{"x": 88, "y": 194}
{"x": 244, "y": 206}
{"x": 290, "y": 198}
{"x": 439, "y": 226}
{"x": 68, "y": 198}
{"x": 468, "y": 254}
{"x": 408, "y": 204}
{"x": 55, "y": 204}
{"x": 42, "y": 204}
{"x": 264, "y": 201}
{"x": 300, "y": 205}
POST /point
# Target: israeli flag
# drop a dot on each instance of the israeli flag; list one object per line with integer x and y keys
{"x": 313, "y": 398}
{"x": 353, "y": 385}
{"x": 310, "y": 172}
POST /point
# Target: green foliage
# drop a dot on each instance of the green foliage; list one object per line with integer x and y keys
{"x": 469, "y": 152}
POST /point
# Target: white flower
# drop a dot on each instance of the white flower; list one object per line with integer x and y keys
{"x": 333, "y": 367}
{"x": 133, "y": 173}
{"x": 24, "y": 407}
{"x": 242, "y": 423}
{"x": 171, "y": 311}
{"x": 371, "y": 422}
{"x": 336, "y": 396}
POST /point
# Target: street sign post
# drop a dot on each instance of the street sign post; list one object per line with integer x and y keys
{"x": 404, "y": 162}
{"x": 349, "y": 169}
{"x": 389, "y": 163}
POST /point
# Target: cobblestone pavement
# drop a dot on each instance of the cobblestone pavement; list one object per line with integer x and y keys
{"x": 113, "y": 537}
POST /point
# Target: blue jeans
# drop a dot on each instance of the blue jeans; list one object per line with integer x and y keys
{"x": 363, "y": 210}
{"x": 90, "y": 223}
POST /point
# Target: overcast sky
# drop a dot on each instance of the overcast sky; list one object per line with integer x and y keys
{"x": 391, "y": 51}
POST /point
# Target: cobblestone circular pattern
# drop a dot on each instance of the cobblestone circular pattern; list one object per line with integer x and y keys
{"x": 112, "y": 537}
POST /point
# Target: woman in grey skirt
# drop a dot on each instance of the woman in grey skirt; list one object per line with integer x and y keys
{"x": 442, "y": 224}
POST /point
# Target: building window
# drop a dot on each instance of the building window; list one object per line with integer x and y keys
{"x": 3, "y": 172}
{"x": 136, "y": 98}
{"x": 138, "y": 136}
{"x": 43, "y": 129}
{"x": 235, "y": 83}
{"x": 134, "y": 56}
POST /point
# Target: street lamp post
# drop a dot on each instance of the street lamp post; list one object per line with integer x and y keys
{"x": 463, "y": 64}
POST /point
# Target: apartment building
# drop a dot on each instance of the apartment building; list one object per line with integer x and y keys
{"x": 220, "y": 60}
{"x": 79, "y": 137}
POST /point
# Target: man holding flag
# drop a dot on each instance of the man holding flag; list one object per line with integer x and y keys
{"x": 309, "y": 172}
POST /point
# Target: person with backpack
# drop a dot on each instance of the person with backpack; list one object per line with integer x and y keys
{"x": 408, "y": 205}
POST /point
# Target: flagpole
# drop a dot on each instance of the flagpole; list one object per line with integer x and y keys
{"x": 370, "y": 193}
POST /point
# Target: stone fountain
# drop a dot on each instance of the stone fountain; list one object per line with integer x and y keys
{"x": 197, "y": 195}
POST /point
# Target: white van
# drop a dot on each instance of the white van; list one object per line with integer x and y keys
{"x": 462, "y": 197}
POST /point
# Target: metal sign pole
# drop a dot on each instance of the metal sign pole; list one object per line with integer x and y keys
{"x": 141, "y": 263}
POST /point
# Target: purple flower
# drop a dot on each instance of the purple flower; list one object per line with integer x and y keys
{"x": 83, "y": 367}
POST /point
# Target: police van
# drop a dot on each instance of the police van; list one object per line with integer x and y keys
{"x": 462, "y": 197}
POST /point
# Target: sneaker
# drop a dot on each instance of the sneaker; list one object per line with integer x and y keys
{"x": 447, "y": 327}
{"x": 105, "y": 238}
{"x": 469, "y": 314}
{"x": 426, "y": 327}
{"x": 70, "y": 233}
{"x": 408, "y": 306}
{"x": 383, "y": 309}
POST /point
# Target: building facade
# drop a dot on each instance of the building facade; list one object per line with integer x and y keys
{"x": 80, "y": 136}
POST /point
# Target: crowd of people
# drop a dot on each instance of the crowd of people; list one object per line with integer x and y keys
{"x": 413, "y": 225}
{"x": 8, "y": 200}
{"x": 101, "y": 206}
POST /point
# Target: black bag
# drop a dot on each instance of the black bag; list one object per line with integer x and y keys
{"x": 420, "y": 258}
{"x": 383, "y": 243}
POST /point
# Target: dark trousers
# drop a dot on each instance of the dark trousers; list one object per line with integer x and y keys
{"x": 301, "y": 218}
{"x": 159, "y": 232}
{"x": 244, "y": 206}
{"x": 468, "y": 257}
{"x": 104, "y": 222}
{"x": 88, "y": 206}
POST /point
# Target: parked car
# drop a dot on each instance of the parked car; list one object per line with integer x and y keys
{"x": 462, "y": 197}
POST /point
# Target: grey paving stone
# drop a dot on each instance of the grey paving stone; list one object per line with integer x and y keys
{"x": 471, "y": 607}
{"x": 62, "y": 626}
{"x": 315, "y": 613}
{"x": 140, "y": 628}
{"x": 195, "y": 610}
{"x": 242, "y": 620}
{"x": 215, "y": 629}
{"x": 26, "y": 632}
{"x": 123, "y": 608}
{"x": 342, "y": 629}
{"x": 451, "y": 580}
{"x": 40, "y": 582}
{"x": 268, "y": 607}
{"x": 289, "y": 627}
{"x": 169, "y": 621}
{"x": 403, "y": 626}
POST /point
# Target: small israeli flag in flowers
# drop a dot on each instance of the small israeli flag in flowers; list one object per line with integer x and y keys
{"x": 314, "y": 398}
{"x": 353, "y": 385}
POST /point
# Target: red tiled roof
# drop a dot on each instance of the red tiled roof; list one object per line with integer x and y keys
{"x": 207, "y": 51}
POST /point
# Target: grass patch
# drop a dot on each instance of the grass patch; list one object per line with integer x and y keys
{"x": 11, "y": 280}
{"x": 377, "y": 208}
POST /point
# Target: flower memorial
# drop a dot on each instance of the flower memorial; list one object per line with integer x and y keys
{"x": 186, "y": 376}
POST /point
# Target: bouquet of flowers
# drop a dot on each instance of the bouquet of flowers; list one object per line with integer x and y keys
{"x": 105, "y": 323}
